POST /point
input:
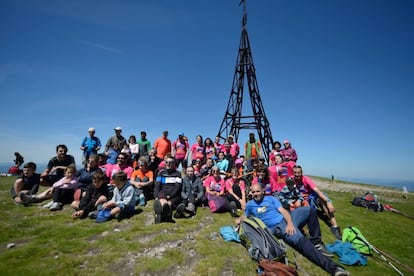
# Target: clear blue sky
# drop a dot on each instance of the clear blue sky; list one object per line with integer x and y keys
{"x": 336, "y": 77}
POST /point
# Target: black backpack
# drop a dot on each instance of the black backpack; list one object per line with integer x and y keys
{"x": 370, "y": 201}
{"x": 260, "y": 241}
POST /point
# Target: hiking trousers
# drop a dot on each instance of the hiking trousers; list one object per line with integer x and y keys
{"x": 305, "y": 216}
{"x": 300, "y": 216}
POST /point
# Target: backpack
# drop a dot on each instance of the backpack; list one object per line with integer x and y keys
{"x": 272, "y": 268}
{"x": 355, "y": 237}
{"x": 370, "y": 201}
{"x": 260, "y": 241}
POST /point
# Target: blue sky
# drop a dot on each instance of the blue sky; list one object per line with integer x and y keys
{"x": 335, "y": 77}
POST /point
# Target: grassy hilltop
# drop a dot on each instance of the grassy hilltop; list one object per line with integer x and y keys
{"x": 52, "y": 243}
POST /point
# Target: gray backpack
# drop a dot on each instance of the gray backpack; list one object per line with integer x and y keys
{"x": 260, "y": 241}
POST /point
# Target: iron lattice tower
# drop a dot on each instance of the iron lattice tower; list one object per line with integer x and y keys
{"x": 233, "y": 120}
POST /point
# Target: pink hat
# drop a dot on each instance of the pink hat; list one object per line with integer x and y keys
{"x": 238, "y": 161}
{"x": 286, "y": 141}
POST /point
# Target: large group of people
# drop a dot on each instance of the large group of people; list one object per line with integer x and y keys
{"x": 180, "y": 178}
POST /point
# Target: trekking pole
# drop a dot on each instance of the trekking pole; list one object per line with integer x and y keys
{"x": 395, "y": 260}
{"x": 390, "y": 208}
{"x": 376, "y": 251}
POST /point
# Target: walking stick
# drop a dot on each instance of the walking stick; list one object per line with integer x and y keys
{"x": 376, "y": 251}
{"x": 389, "y": 208}
{"x": 395, "y": 260}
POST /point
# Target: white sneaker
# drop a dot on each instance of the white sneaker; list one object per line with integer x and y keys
{"x": 55, "y": 206}
{"x": 48, "y": 205}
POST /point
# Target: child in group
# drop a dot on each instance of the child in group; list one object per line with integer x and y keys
{"x": 27, "y": 183}
{"x": 96, "y": 195}
{"x": 61, "y": 191}
{"x": 290, "y": 196}
{"x": 122, "y": 204}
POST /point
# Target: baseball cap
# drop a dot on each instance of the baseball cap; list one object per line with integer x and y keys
{"x": 231, "y": 136}
{"x": 181, "y": 134}
{"x": 118, "y": 128}
{"x": 286, "y": 141}
{"x": 91, "y": 129}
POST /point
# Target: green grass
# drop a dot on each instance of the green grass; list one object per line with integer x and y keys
{"x": 52, "y": 243}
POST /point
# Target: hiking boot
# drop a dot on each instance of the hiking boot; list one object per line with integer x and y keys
{"x": 233, "y": 209}
{"x": 141, "y": 201}
{"x": 321, "y": 248}
{"x": 180, "y": 211}
{"x": 27, "y": 199}
{"x": 158, "y": 211}
{"x": 340, "y": 271}
{"x": 55, "y": 206}
{"x": 93, "y": 215}
{"x": 190, "y": 209}
{"x": 48, "y": 205}
{"x": 336, "y": 231}
{"x": 167, "y": 213}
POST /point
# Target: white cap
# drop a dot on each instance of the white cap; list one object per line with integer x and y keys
{"x": 118, "y": 128}
{"x": 91, "y": 129}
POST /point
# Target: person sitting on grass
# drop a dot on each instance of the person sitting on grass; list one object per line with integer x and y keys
{"x": 55, "y": 169}
{"x": 236, "y": 192}
{"x": 96, "y": 195}
{"x": 27, "y": 183}
{"x": 285, "y": 225}
{"x": 317, "y": 199}
{"x": 263, "y": 178}
{"x": 142, "y": 178}
{"x": 192, "y": 194}
{"x": 167, "y": 191}
{"x": 290, "y": 196}
{"x": 122, "y": 204}
{"x": 61, "y": 191}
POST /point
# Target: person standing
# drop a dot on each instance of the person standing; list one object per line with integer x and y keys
{"x": 198, "y": 150}
{"x": 277, "y": 149}
{"x": 288, "y": 152}
{"x": 133, "y": 147}
{"x": 162, "y": 145}
{"x": 234, "y": 147}
{"x": 252, "y": 149}
{"x": 180, "y": 151}
{"x": 90, "y": 145}
{"x": 19, "y": 159}
{"x": 144, "y": 145}
{"x": 116, "y": 139}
